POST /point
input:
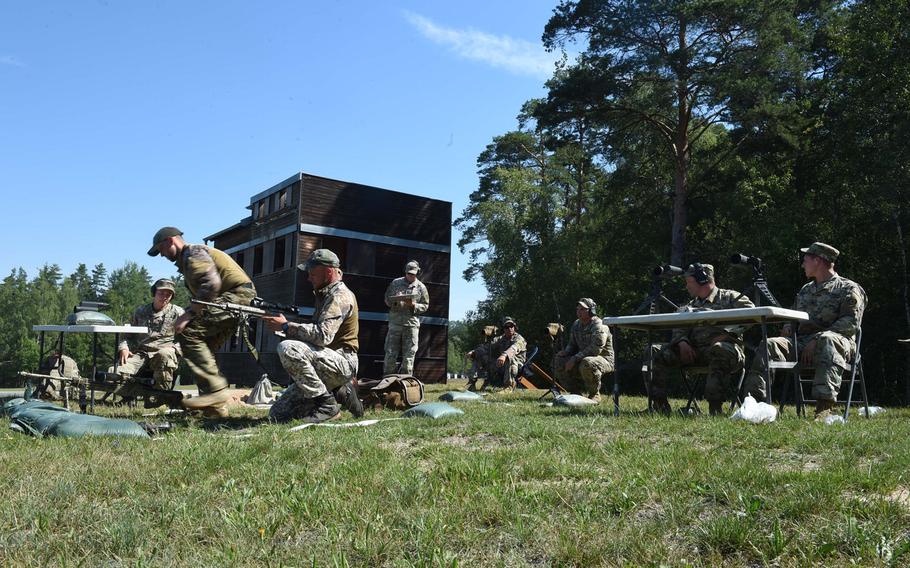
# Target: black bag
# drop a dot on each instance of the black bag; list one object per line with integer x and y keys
{"x": 397, "y": 392}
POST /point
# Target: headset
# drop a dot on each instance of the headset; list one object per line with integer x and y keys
{"x": 700, "y": 273}
{"x": 419, "y": 269}
{"x": 593, "y": 309}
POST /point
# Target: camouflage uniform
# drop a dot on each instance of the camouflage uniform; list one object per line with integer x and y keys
{"x": 718, "y": 348}
{"x": 158, "y": 350}
{"x": 322, "y": 355}
{"x": 835, "y": 309}
{"x": 57, "y": 366}
{"x": 515, "y": 349}
{"x": 211, "y": 276}
{"x": 404, "y": 324}
{"x": 591, "y": 346}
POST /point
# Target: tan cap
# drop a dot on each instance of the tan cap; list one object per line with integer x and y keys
{"x": 412, "y": 268}
{"x": 827, "y": 252}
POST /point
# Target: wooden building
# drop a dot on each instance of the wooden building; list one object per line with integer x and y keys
{"x": 374, "y": 232}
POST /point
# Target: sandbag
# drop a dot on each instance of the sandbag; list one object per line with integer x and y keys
{"x": 460, "y": 396}
{"x": 432, "y": 410}
{"x": 42, "y": 419}
{"x": 572, "y": 400}
{"x": 89, "y": 318}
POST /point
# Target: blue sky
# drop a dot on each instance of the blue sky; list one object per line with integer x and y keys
{"x": 119, "y": 117}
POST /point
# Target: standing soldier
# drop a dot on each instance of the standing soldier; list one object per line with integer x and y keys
{"x": 828, "y": 340}
{"x": 589, "y": 354}
{"x": 406, "y": 298}
{"x": 212, "y": 276}
{"x": 157, "y": 350}
{"x": 510, "y": 350}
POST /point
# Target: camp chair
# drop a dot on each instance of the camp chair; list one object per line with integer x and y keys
{"x": 696, "y": 377}
{"x": 802, "y": 376}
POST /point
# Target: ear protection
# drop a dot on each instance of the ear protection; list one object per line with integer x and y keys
{"x": 593, "y": 309}
{"x": 700, "y": 273}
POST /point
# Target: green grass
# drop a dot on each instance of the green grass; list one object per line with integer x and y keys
{"x": 510, "y": 483}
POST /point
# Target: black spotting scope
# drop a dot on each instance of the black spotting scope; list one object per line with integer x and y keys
{"x": 667, "y": 271}
{"x": 739, "y": 258}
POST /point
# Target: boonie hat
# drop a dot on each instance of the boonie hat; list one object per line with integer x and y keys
{"x": 163, "y": 233}
{"x": 827, "y": 252}
{"x": 412, "y": 267}
{"x": 320, "y": 257}
{"x": 163, "y": 284}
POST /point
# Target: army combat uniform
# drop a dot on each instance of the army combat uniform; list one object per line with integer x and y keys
{"x": 718, "y": 348}
{"x": 212, "y": 276}
{"x": 320, "y": 356}
{"x": 157, "y": 350}
{"x": 57, "y": 366}
{"x": 591, "y": 346}
{"x": 515, "y": 349}
{"x": 404, "y": 323}
{"x": 835, "y": 309}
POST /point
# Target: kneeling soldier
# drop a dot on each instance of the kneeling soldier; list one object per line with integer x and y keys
{"x": 589, "y": 354}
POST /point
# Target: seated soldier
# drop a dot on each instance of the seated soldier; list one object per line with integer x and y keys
{"x": 718, "y": 348}
{"x": 589, "y": 354}
{"x": 57, "y": 365}
{"x": 156, "y": 350}
{"x": 509, "y": 349}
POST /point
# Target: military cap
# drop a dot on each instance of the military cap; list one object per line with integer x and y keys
{"x": 695, "y": 267}
{"x": 412, "y": 268}
{"x": 163, "y": 284}
{"x": 163, "y": 233}
{"x": 508, "y": 321}
{"x": 827, "y": 252}
{"x": 588, "y": 303}
{"x": 320, "y": 257}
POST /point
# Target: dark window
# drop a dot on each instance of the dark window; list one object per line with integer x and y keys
{"x": 361, "y": 257}
{"x": 240, "y": 257}
{"x": 257, "y": 260}
{"x": 390, "y": 261}
{"x": 278, "y": 259}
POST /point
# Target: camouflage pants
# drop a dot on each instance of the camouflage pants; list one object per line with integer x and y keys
{"x": 484, "y": 367}
{"x": 723, "y": 359}
{"x": 832, "y": 353}
{"x": 162, "y": 362}
{"x": 205, "y": 333}
{"x": 315, "y": 371}
{"x": 585, "y": 376}
{"x": 400, "y": 339}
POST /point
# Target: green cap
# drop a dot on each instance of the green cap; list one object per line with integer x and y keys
{"x": 163, "y": 284}
{"x": 320, "y": 257}
{"x": 412, "y": 268}
{"x": 827, "y": 252}
{"x": 163, "y": 233}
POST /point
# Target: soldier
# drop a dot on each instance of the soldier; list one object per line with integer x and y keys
{"x": 158, "y": 350}
{"x": 212, "y": 276}
{"x": 588, "y": 355}
{"x": 320, "y": 356}
{"x": 718, "y": 348}
{"x": 406, "y": 298}
{"x": 57, "y": 365}
{"x": 510, "y": 350}
{"x": 828, "y": 340}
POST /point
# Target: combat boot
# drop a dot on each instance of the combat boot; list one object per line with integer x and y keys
{"x": 324, "y": 408}
{"x": 346, "y": 396}
{"x": 216, "y": 411}
{"x": 716, "y": 407}
{"x": 823, "y": 409}
{"x": 661, "y": 405}
{"x": 207, "y": 400}
{"x": 472, "y": 385}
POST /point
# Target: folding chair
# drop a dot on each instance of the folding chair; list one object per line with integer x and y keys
{"x": 695, "y": 379}
{"x": 801, "y": 376}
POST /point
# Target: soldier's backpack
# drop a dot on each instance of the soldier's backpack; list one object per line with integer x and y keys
{"x": 396, "y": 392}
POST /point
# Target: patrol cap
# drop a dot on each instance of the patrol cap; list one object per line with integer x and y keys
{"x": 827, "y": 252}
{"x": 587, "y": 303}
{"x": 507, "y": 321}
{"x": 163, "y": 233}
{"x": 163, "y": 284}
{"x": 320, "y": 257}
{"x": 412, "y": 267}
{"x": 695, "y": 267}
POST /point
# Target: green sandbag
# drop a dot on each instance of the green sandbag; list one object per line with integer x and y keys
{"x": 40, "y": 419}
{"x": 432, "y": 410}
{"x": 460, "y": 396}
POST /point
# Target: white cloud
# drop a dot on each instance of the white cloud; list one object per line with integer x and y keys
{"x": 515, "y": 55}
{"x": 10, "y": 60}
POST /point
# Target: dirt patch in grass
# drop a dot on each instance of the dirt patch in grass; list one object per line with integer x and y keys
{"x": 482, "y": 442}
{"x": 900, "y": 496}
{"x": 787, "y": 461}
{"x": 649, "y": 511}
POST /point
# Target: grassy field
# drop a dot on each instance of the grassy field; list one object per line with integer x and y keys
{"x": 509, "y": 483}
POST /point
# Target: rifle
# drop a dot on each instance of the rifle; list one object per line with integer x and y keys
{"x": 258, "y": 308}
{"x": 109, "y": 382}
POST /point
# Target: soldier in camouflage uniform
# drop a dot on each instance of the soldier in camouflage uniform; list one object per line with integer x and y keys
{"x": 320, "y": 356}
{"x": 406, "y": 298}
{"x": 718, "y": 348}
{"x": 158, "y": 350}
{"x": 212, "y": 276}
{"x": 510, "y": 350}
{"x": 57, "y": 365}
{"x": 588, "y": 355}
{"x": 828, "y": 340}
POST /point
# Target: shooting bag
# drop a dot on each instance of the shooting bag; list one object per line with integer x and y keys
{"x": 396, "y": 392}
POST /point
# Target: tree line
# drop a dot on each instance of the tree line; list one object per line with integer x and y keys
{"x": 689, "y": 130}
{"x": 49, "y": 297}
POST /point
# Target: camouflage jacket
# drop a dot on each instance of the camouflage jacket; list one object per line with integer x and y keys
{"x": 718, "y": 299}
{"x": 209, "y": 272}
{"x": 51, "y": 366}
{"x": 836, "y": 305}
{"x": 590, "y": 340}
{"x": 406, "y": 316}
{"x": 515, "y": 347}
{"x": 161, "y": 328}
{"x": 334, "y": 322}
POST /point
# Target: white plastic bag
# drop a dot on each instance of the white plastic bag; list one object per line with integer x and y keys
{"x": 873, "y": 410}
{"x": 755, "y": 412}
